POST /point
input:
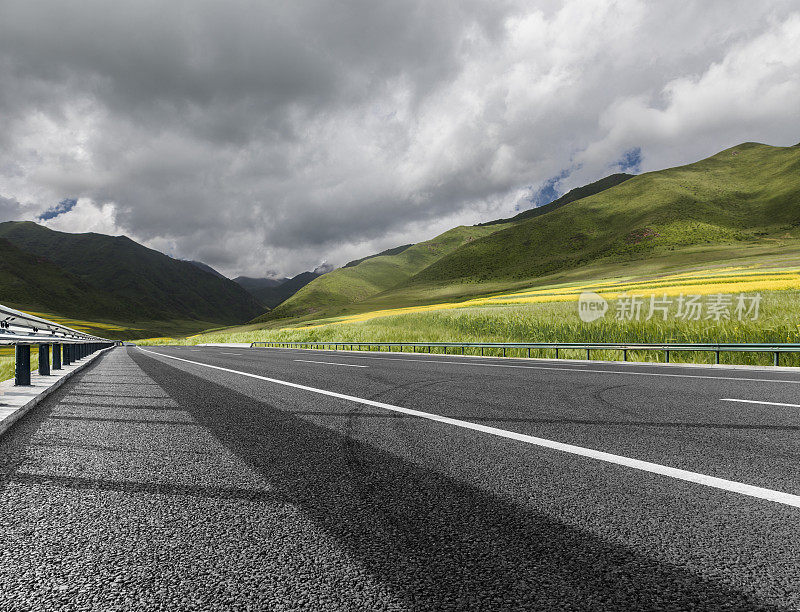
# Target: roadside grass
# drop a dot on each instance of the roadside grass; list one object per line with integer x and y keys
{"x": 550, "y": 314}
{"x": 7, "y": 361}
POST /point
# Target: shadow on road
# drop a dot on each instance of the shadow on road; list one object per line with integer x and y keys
{"x": 444, "y": 544}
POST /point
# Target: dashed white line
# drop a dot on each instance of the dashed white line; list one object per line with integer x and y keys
{"x": 575, "y": 369}
{"x": 744, "y": 401}
{"x": 347, "y": 365}
{"x": 646, "y": 466}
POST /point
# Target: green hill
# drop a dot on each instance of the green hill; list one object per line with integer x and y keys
{"x": 392, "y": 251}
{"x": 150, "y": 284}
{"x": 37, "y": 283}
{"x": 367, "y": 277}
{"x": 749, "y": 194}
{"x": 334, "y": 290}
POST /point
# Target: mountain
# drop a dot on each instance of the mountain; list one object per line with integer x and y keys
{"x": 363, "y": 278}
{"x": 37, "y": 283}
{"x": 374, "y": 274}
{"x": 274, "y": 295}
{"x": 254, "y": 284}
{"x": 746, "y": 195}
{"x": 153, "y": 285}
{"x": 205, "y": 267}
{"x": 572, "y": 195}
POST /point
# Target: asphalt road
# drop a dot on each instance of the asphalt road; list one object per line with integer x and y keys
{"x": 305, "y": 480}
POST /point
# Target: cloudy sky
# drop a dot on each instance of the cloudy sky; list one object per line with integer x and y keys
{"x": 266, "y": 137}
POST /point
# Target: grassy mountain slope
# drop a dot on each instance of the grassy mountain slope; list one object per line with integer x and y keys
{"x": 37, "y": 282}
{"x": 573, "y": 194}
{"x": 344, "y": 286}
{"x": 392, "y": 251}
{"x": 746, "y": 195}
{"x": 153, "y": 285}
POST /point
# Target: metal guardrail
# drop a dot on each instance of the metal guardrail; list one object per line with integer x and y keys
{"x": 480, "y": 347}
{"x": 22, "y": 330}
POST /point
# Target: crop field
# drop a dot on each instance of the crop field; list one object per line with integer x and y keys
{"x": 737, "y": 304}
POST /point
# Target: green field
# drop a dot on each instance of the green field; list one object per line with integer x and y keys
{"x": 549, "y": 314}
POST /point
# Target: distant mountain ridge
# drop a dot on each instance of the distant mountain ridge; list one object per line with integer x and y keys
{"x": 151, "y": 285}
{"x": 272, "y": 292}
{"x": 253, "y": 284}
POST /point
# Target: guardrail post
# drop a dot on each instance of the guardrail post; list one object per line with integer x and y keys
{"x": 67, "y": 354}
{"x": 556, "y": 352}
{"x": 56, "y": 356}
{"x": 529, "y": 352}
{"x": 588, "y": 355}
{"x": 775, "y": 362}
{"x": 504, "y": 351}
{"x": 22, "y": 364}
{"x": 624, "y": 354}
{"x": 666, "y": 356}
{"x": 717, "y": 353}
{"x": 44, "y": 360}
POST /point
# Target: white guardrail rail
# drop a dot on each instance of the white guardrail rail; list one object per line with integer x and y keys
{"x": 23, "y": 330}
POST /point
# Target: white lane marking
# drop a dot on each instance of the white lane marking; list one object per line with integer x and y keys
{"x": 573, "y": 369}
{"x": 347, "y": 365}
{"x": 433, "y": 358}
{"x": 744, "y": 401}
{"x": 239, "y": 354}
{"x": 637, "y": 464}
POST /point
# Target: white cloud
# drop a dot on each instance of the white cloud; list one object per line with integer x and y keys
{"x": 86, "y": 216}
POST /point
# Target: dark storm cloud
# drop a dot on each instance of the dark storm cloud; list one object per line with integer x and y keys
{"x": 274, "y": 135}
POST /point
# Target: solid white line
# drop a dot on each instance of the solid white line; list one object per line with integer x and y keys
{"x": 744, "y": 401}
{"x": 347, "y": 365}
{"x": 645, "y": 466}
{"x": 574, "y": 369}
{"x": 239, "y": 354}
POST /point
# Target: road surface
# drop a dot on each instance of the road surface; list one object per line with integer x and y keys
{"x": 187, "y": 478}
